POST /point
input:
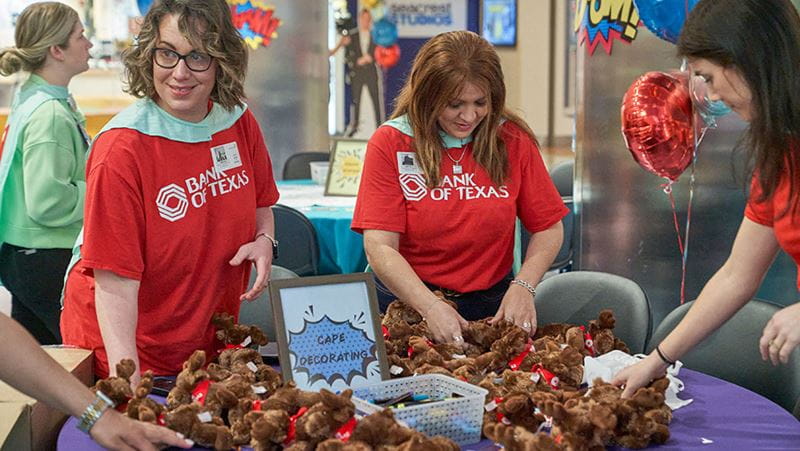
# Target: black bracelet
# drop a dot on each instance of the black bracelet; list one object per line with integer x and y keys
{"x": 664, "y": 357}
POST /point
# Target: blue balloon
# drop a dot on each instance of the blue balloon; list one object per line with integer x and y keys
{"x": 384, "y": 32}
{"x": 143, "y": 5}
{"x": 664, "y": 18}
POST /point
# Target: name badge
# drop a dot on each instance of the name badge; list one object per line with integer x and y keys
{"x": 226, "y": 157}
{"x": 407, "y": 163}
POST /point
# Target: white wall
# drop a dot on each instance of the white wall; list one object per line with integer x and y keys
{"x": 526, "y": 68}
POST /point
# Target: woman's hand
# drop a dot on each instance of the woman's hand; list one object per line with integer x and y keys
{"x": 517, "y": 307}
{"x": 781, "y": 335}
{"x": 116, "y": 431}
{"x": 445, "y": 323}
{"x": 259, "y": 252}
{"x": 639, "y": 374}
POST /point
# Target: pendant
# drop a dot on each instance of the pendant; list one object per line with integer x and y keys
{"x": 456, "y": 169}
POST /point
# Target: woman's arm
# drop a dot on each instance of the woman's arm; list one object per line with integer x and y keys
{"x": 517, "y": 305}
{"x": 117, "y": 304}
{"x": 733, "y": 285}
{"x": 393, "y": 270}
{"x": 258, "y": 251}
{"x": 26, "y": 367}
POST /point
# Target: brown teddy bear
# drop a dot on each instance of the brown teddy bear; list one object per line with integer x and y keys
{"x": 517, "y": 438}
{"x": 118, "y": 388}
{"x": 196, "y": 423}
{"x": 234, "y": 334}
{"x": 141, "y": 407}
{"x": 191, "y": 374}
{"x": 268, "y": 428}
{"x": 323, "y": 419}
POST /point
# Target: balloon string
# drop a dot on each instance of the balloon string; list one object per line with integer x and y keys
{"x": 668, "y": 189}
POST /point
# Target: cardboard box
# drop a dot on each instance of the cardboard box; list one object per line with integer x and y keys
{"x": 26, "y": 424}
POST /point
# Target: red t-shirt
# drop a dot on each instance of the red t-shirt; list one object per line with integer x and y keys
{"x": 459, "y": 235}
{"x": 158, "y": 211}
{"x": 770, "y": 213}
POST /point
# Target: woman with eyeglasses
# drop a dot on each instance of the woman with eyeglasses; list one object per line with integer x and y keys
{"x": 42, "y": 171}
{"x": 178, "y": 201}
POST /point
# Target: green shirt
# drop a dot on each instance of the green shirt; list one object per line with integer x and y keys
{"x": 42, "y": 204}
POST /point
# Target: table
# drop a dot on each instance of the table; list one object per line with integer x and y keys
{"x": 341, "y": 250}
{"x": 729, "y": 416}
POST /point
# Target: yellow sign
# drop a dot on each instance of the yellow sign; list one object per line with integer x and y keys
{"x": 347, "y": 161}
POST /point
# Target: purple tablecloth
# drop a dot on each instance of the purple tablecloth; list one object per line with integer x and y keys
{"x": 723, "y": 415}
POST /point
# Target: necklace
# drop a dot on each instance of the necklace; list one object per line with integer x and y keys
{"x": 457, "y": 169}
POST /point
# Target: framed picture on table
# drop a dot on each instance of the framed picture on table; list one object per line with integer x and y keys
{"x": 344, "y": 172}
{"x": 328, "y": 331}
{"x": 499, "y": 22}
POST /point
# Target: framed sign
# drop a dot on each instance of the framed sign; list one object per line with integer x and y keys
{"x": 328, "y": 331}
{"x": 499, "y": 22}
{"x": 344, "y": 172}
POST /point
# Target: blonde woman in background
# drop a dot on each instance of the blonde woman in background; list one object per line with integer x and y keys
{"x": 42, "y": 181}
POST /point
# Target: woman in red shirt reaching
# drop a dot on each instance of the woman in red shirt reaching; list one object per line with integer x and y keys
{"x": 444, "y": 181}
{"x": 743, "y": 49}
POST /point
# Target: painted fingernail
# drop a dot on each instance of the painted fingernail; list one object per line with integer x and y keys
{"x": 180, "y": 436}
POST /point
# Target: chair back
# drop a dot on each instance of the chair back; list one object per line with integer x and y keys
{"x": 563, "y": 259}
{"x": 298, "y": 248}
{"x": 562, "y": 175}
{"x": 258, "y": 312}
{"x": 577, "y": 297}
{"x": 732, "y": 353}
{"x": 296, "y": 166}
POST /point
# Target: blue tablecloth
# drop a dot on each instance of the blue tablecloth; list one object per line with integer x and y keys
{"x": 341, "y": 250}
{"x": 722, "y": 416}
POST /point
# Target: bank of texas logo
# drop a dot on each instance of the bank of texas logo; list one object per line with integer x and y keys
{"x": 172, "y": 202}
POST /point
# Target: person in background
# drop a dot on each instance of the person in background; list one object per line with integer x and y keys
{"x": 42, "y": 180}
{"x": 361, "y": 71}
{"x": 443, "y": 184}
{"x": 26, "y": 367}
{"x": 179, "y": 193}
{"x": 742, "y": 48}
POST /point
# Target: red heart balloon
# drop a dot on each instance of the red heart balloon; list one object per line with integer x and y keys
{"x": 657, "y": 123}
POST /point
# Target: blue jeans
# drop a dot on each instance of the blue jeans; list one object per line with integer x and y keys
{"x": 473, "y": 305}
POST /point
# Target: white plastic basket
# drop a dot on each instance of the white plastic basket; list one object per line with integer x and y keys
{"x": 319, "y": 171}
{"x": 459, "y": 419}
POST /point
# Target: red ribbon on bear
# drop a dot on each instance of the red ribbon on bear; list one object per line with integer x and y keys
{"x": 516, "y": 362}
{"x": 257, "y": 404}
{"x": 385, "y": 332}
{"x": 290, "y": 433}
{"x": 200, "y": 392}
{"x": 123, "y": 406}
{"x": 550, "y": 378}
{"x": 588, "y": 342}
{"x": 344, "y": 432}
{"x": 161, "y": 420}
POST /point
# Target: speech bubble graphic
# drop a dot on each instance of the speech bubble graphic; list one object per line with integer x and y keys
{"x": 330, "y": 350}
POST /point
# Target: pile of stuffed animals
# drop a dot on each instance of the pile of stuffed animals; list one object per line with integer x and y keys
{"x": 536, "y": 400}
{"x": 237, "y": 400}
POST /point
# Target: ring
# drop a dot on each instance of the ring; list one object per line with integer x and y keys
{"x": 526, "y": 325}
{"x": 458, "y": 338}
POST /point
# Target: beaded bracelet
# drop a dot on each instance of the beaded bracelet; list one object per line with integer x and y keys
{"x": 525, "y": 285}
{"x": 94, "y": 411}
{"x": 664, "y": 357}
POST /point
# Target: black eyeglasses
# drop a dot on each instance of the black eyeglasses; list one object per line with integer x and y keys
{"x": 195, "y": 61}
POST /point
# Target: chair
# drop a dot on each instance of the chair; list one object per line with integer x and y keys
{"x": 258, "y": 312}
{"x": 577, "y": 297}
{"x": 563, "y": 260}
{"x": 296, "y": 166}
{"x": 731, "y": 353}
{"x": 298, "y": 248}
{"x": 562, "y": 175}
